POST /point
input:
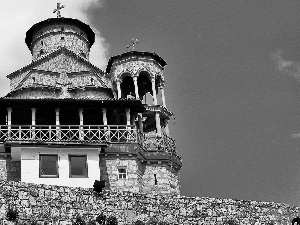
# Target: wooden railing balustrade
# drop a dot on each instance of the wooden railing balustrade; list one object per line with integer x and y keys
{"x": 96, "y": 134}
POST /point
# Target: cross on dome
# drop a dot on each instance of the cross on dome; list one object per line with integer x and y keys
{"x": 133, "y": 42}
{"x": 59, "y": 6}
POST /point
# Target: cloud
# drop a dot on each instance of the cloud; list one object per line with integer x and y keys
{"x": 16, "y": 17}
{"x": 289, "y": 67}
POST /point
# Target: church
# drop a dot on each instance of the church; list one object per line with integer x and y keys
{"x": 66, "y": 122}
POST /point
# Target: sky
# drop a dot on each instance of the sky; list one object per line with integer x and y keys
{"x": 232, "y": 81}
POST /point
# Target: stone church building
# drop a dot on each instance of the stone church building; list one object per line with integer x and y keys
{"x": 66, "y": 122}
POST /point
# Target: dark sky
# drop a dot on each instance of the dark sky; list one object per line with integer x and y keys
{"x": 232, "y": 81}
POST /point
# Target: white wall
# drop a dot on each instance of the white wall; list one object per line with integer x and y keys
{"x": 30, "y": 166}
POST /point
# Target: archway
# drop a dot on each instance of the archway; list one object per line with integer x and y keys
{"x": 127, "y": 87}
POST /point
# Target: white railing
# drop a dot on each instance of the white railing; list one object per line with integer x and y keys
{"x": 69, "y": 133}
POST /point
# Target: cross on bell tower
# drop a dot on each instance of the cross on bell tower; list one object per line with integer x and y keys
{"x": 59, "y": 6}
{"x": 133, "y": 42}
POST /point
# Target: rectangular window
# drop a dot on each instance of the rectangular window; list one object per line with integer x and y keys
{"x": 48, "y": 166}
{"x": 122, "y": 172}
{"x": 78, "y": 166}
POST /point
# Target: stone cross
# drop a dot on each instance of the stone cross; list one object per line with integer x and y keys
{"x": 58, "y": 8}
{"x": 133, "y": 42}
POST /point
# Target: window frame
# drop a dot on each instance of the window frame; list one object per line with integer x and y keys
{"x": 85, "y": 169}
{"x": 40, "y": 166}
{"x": 126, "y": 173}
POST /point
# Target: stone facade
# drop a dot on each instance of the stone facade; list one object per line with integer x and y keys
{"x": 61, "y": 205}
{"x": 10, "y": 170}
{"x": 51, "y": 38}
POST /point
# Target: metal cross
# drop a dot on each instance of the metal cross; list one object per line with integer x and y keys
{"x": 58, "y": 8}
{"x": 133, "y": 42}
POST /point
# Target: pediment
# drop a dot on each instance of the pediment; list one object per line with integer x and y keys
{"x": 63, "y": 70}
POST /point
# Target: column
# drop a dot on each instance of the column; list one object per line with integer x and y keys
{"x": 9, "y": 111}
{"x": 140, "y": 119}
{"x": 80, "y": 110}
{"x": 162, "y": 92}
{"x": 106, "y": 129}
{"x": 104, "y": 110}
{"x": 33, "y": 113}
{"x": 136, "y": 88}
{"x": 127, "y": 116}
{"x": 57, "y": 123}
{"x": 157, "y": 120}
{"x": 119, "y": 89}
{"x": 81, "y": 133}
{"x": 57, "y": 116}
{"x": 154, "y": 91}
{"x": 167, "y": 127}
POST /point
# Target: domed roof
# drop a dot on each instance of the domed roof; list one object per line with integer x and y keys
{"x": 86, "y": 28}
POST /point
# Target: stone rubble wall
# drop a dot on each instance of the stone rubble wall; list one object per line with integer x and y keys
{"x": 61, "y": 205}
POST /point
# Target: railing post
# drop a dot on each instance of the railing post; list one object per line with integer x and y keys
{"x": 33, "y": 111}
{"x": 106, "y": 130}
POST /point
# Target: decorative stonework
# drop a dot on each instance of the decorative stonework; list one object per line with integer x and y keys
{"x": 134, "y": 68}
{"x": 53, "y": 42}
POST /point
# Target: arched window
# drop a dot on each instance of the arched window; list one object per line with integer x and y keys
{"x": 144, "y": 84}
{"x": 127, "y": 87}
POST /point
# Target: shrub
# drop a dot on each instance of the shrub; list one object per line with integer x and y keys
{"x": 163, "y": 223}
{"x": 138, "y": 222}
{"x": 112, "y": 220}
{"x": 11, "y": 214}
{"x": 101, "y": 219}
{"x": 230, "y": 222}
{"x": 79, "y": 221}
{"x": 152, "y": 221}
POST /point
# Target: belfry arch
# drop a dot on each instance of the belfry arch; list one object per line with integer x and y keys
{"x": 127, "y": 86}
{"x": 144, "y": 84}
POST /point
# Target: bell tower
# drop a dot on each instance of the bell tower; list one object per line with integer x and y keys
{"x": 136, "y": 75}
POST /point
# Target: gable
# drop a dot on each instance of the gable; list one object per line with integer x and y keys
{"x": 61, "y": 69}
{"x": 63, "y": 64}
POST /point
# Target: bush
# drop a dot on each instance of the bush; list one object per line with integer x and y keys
{"x": 79, "y": 221}
{"x": 12, "y": 214}
{"x": 152, "y": 221}
{"x": 101, "y": 219}
{"x": 163, "y": 223}
{"x": 112, "y": 220}
{"x": 138, "y": 222}
{"x": 231, "y": 222}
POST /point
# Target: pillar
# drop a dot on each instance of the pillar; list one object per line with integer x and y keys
{"x": 104, "y": 110}
{"x": 136, "y": 88}
{"x": 162, "y": 92}
{"x": 157, "y": 120}
{"x": 127, "y": 116}
{"x": 80, "y": 110}
{"x": 154, "y": 91}
{"x": 119, "y": 89}
{"x": 167, "y": 127}
{"x": 57, "y": 117}
{"x": 33, "y": 113}
{"x": 9, "y": 111}
{"x": 140, "y": 119}
{"x": 57, "y": 123}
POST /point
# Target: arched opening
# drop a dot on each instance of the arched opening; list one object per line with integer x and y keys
{"x": 127, "y": 87}
{"x": 145, "y": 86}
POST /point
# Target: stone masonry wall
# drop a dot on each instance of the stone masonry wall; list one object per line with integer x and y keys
{"x": 61, "y": 205}
{"x": 10, "y": 170}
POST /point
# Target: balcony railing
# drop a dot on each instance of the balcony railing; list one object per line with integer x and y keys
{"x": 69, "y": 134}
{"x": 164, "y": 143}
{"x": 90, "y": 134}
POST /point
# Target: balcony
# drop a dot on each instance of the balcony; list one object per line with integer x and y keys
{"x": 86, "y": 134}
{"x": 73, "y": 134}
